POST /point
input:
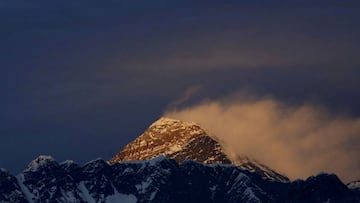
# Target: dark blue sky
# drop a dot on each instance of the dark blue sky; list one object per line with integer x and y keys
{"x": 80, "y": 79}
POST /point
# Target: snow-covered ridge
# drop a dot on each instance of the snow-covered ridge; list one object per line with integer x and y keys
{"x": 39, "y": 162}
{"x": 161, "y": 180}
{"x": 354, "y": 185}
{"x": 198, "y": 170}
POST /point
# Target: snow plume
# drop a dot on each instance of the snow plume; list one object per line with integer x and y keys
{"x": 298, "y": 141}
{"x": 185, "y": 96}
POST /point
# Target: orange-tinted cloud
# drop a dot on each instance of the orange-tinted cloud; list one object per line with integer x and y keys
{"x": 298, "y": 141}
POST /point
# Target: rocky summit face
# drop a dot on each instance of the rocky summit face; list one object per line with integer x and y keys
{"x": 187, "y": 141}
{"x": 160, "y": 180}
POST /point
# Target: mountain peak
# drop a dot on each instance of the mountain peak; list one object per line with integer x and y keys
{"x": 165, "y": 122}
{"x": 186, "y": 141}
{"x": 168, "y": 128}
{"x": 163, "y": 137}
{"x": 40, "y": 162}
{"x": 163, "y": 180}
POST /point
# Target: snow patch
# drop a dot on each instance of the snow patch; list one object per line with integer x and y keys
{"x": 143, "y": 186}
{"x": 250, "y": 194}
{"x": 174, "y": 148}
{"x": 28, "y": 195}
{"x": 67, "y": 163}
{"x": 152, "y": 196}
{"x": 3, "y": 170}
{"x": 68, "y": 197}
{"x": 156, "y": 160}
{"x": 121, "y": 198}
{"x": 354, "y": 185}
{"x": 94, "y": 160}
{"x": 165, "y": 122}
{"x": 213, "y": 191}
{"x": 85, "y": 195}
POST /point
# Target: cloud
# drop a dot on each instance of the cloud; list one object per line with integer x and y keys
{"x": 298, "y": 141}
{"x": 185, "y": 96}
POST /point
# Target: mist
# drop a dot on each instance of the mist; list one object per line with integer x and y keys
{"x": 296, "y": 140}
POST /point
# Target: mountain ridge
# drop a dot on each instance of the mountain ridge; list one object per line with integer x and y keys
{"x": 161, "y": 180}
{"x": 198, "y": 170}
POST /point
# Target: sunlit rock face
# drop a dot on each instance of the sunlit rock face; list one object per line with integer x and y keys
{"x": 187, "y": 141}
{"x": 164, "y": 137}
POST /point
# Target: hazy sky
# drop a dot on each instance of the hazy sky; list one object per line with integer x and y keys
{"x": 80, "y": 79}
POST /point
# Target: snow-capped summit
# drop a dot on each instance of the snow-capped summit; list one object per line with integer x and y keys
{"x": 187, "y": 141}
{"x": 165, "y": 121}
{"x": 164, "y": 125}
{"x": 164, "y": 137}
{"x": 41, "y": 162}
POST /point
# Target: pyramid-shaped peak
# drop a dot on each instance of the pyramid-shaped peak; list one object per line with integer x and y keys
{"x": 167, "y": 122}
{"x": 186, "y": 141}
{"x": 165, "y": 136}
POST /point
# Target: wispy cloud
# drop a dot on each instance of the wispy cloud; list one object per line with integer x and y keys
{"x": 185, "y": 96}
{"x": 297, "y": 140}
